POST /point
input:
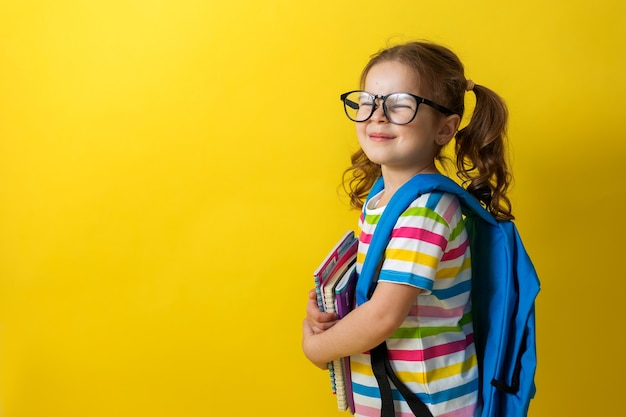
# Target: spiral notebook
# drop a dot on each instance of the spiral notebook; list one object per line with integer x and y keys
{"x": 335, "y": 284}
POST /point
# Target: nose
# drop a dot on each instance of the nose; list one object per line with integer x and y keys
{"x": 379, "y": 112}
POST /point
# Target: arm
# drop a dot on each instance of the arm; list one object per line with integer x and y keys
{"x": 364, "y": 328}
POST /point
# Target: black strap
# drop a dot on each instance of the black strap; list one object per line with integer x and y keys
{"x": 378, "y": 355}
{"x": 383, "y": 372}
{"x": 513, "y": 388}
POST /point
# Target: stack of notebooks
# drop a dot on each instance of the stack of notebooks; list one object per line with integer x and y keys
{"x": 335, "y": 284}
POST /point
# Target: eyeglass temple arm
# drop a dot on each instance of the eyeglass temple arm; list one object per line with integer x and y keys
{"x": 436, "y": 106}
{"x": 351, "y": 104}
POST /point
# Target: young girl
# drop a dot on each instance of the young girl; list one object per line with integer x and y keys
{"x": 409, "y": 108}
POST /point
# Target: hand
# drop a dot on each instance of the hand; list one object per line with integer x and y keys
{"x": 319, "y": 321}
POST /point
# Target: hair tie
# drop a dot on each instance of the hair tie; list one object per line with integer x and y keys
{"x": 470, "y": 85}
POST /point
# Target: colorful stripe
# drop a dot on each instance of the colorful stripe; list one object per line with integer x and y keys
{"x": 433, "y": 350}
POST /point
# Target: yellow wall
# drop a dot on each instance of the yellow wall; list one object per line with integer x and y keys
{"x": 168, "y": 182}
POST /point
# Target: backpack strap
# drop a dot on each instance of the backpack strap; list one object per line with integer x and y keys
{"x": 416, "y": 186}
{"x": 383, "y": 373}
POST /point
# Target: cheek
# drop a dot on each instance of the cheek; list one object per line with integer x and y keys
{"x": 360, "y": 131}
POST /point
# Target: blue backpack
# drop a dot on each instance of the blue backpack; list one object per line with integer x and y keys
{"x": 504, "y": 288}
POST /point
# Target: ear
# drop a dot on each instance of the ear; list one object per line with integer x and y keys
{"x": 448, "y": 126}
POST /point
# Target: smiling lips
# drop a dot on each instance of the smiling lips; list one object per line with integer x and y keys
{"x": 379, "y": 137}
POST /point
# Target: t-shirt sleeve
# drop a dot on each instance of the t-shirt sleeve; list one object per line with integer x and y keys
{"x": 418, "y": 241}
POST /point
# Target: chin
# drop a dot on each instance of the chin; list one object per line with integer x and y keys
{"x": 376, "y": 157}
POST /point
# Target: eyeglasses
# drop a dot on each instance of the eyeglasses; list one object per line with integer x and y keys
{"x": 399, "y": 108}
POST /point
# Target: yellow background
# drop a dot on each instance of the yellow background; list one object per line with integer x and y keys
{"x": 168, "y": 182}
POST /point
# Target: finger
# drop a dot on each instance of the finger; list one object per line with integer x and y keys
{"x": 314, "y": 313}
{"x": 307, "y": 329}
{"x": 315, "y": 309}
{"x": 326, "y": 325}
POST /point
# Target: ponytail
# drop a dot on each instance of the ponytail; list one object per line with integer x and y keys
{"x": 481, "y": 156}
{"x": 359, "y": 178}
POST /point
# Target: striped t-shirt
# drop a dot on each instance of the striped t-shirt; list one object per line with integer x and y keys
{"x": 432, "y": 351}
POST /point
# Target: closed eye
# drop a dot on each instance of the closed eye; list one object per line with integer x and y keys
{"x": 400, "y": 106}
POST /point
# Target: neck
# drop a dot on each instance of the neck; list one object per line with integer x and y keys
{"x": 395, "y": 179}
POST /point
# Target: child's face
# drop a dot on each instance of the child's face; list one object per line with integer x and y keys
{"x": 405, "y": 149}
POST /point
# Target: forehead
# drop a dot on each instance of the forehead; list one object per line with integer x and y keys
{"x": 390, "y": 77}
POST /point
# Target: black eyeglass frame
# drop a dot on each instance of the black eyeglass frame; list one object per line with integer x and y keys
{"x": 419, "y": 100}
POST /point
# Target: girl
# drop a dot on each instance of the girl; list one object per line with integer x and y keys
{"x": 409, "y": 108}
